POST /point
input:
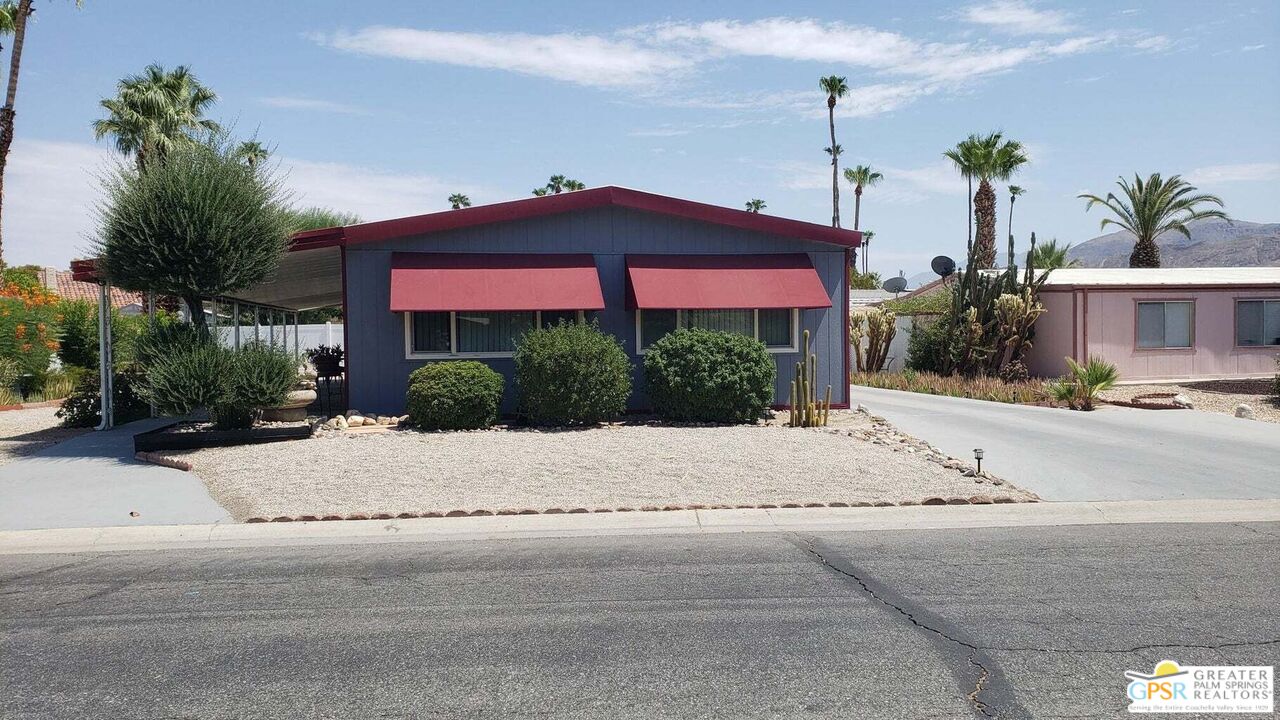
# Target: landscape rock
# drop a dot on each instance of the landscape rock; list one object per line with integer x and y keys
{"x": 355, "y": 420}
{"x": 1182, "y": 401}
{"x": 349, "y": 413}
{"x": 1244, "y": 411}
{"x": 384, "y": 420}
{"x": 340, "y": 423}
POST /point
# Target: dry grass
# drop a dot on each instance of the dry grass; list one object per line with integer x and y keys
{"x": 977, "y": 388}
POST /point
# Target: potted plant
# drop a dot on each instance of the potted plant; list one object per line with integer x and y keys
{"x": 327, "y": 360}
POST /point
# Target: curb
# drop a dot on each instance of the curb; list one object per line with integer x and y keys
{"x": 156, "y": 458}
{"x": 459, "y": 513}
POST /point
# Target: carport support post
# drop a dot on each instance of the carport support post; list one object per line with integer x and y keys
{"x": 257, "y": 318}
{"x": 151, "y": 323}
{"x": 296, "y": 354}
{"x": 106, "y": 405}
{"x": 235, "y": 312}
{"x": 271, "y": 328}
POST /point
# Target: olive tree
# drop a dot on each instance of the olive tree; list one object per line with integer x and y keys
{"x": 200, "y": 223}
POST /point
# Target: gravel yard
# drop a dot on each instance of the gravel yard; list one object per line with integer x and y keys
{"x": 617, "y": 466}
{"x": 1216, "y": 396}
{"x": 23, "y": 432}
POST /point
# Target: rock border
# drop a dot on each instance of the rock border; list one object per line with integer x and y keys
{"x": 156, "y": 458}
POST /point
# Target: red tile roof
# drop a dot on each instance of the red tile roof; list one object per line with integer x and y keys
{"x": 67, "y": 287}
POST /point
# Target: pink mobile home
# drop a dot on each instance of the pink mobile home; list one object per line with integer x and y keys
{"x": 1161, "y": 324}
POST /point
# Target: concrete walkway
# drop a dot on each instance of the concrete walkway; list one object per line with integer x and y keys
{"x": 93, "y": 481}
{"x": 1109, "y": 454}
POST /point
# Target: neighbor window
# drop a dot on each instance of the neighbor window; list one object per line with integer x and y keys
{"x": 775, "y": 327}
{"x": 1165, "y": 324}
{"x": 1257, "y": 322}
{"x": 475, "y": 332}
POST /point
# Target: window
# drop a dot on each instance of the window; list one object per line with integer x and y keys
{"x": 1257, "y": 322}
{"x": 1165, "y": 324}
{"x": 775, "y": 327}
{"x": 493, "y": 334}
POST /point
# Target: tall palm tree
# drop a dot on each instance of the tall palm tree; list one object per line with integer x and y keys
{"x": 835, "y": 87}
{"x": 459, "y": 201}
{"x": 867, "y": 235}
{"x": 1153, "y": 207}
{"x": 572, "y": 184}
{"x": 755, "y": 205}
{"x": 556, "y": 183}
{"x": 252, "y": 152}
{"x": 1015, "y": 191}
{"x": 861, "y": 176}
{"x": 1051, "y": 256}
{"x": 962, "y": 156}
{"x": 995, "y": 160}
{"x": 539, "y": 192}
{"x": 154, "y": 111}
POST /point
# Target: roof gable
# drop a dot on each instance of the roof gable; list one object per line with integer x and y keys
{"x": 570, "y": 202}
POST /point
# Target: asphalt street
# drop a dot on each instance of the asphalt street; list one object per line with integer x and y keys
{"x": 993, "y": 622}
{"x": 1112, "y": 453}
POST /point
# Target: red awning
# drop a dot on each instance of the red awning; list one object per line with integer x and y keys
{"x": 493, "y": 282}
{"x": 724, "y": 282}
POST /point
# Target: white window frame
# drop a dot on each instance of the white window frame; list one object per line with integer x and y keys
{"x": 1235, "y": 340}
{"x": 410, "y": 354}
{"x": 681, "y": 322}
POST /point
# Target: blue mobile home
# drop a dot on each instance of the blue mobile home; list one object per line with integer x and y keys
{"x": 462, "y": 284}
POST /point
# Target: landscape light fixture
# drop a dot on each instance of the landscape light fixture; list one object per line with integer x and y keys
{"x": 977, "y": 455}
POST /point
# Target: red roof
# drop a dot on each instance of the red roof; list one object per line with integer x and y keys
{"x": 569, "y": 202}
{"x": 64, "y": 283}
{"x": 713, "y": 282}
{"x": 493, "y": 282}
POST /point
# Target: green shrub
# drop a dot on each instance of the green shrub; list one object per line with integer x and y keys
{"x": 708, "y": 376}
{"x": 1082, "y": 384}
{"x": 927, "y": 345}
{"x": 8, "y": 378}
{"x": 59, "y": 384}
{"x": 78, "y": 343}
{"x": 571, "y": 374}
{"x": 82, "y": 408}
{"x": 256, "y": 377}
{"x": 458, "y": 395}
{"x": 166, "y": 339}
{"x": 187, "y": 379}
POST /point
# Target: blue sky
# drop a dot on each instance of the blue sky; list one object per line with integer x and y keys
{"x": 385, "y": 108}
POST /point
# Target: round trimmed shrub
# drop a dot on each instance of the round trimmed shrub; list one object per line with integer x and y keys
{"x": 258, "y": 376}
{"x": 571, "y": 374}
{"x": 709, "y": 376}
{"x": 455, "y": 395}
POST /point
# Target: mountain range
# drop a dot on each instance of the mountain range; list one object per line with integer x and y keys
{"x": 1213, "y": 243}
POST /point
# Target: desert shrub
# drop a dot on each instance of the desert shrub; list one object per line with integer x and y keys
{"x": 931, "y": 383}
{"x": 927, "y": 345}
{"x": 257, "y": 377}
{"x": 78, "y": 329}
{"x": 187, "y": 379}
{"x": 1082, "y": 384}
{"x": 28, "y": 329}
{"x": 154, "y": 343}
{"x": 456, "y": 395}
{"x": 82, "y": 408}
{"x": 708, "y": 376}
{"x": 59, "y": 384}
{"x": 8, "y": 378}
{"x": 571, "y": 374}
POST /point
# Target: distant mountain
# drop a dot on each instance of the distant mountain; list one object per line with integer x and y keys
{"x": 1213, "y": 243}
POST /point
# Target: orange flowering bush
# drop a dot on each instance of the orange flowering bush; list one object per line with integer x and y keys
{"x": 28, "y": 322}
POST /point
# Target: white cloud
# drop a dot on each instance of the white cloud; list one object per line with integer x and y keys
{"x": 300, "y": 103}
{"x": 370, "y": 193}
{"x": 51, "y": 190}
{"x": 1252, "y": 48}
{"x": 1018, "y": 18}
{"x": 1243, "y": 172}
{"x": 581, "y": 59}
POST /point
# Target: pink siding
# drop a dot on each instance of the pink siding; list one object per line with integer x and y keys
{"x": 1102, "y": 321}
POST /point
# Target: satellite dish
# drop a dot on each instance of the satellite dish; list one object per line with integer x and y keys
{"x": 943, "y": 265}
{"x": 895, "y": 285}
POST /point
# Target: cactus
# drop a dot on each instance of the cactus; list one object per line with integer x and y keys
{"x": 879, "y": 332}
{"x": 806, "y": 409}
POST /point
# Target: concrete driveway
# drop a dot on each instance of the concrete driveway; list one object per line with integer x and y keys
{"x": 1109, "y": 454}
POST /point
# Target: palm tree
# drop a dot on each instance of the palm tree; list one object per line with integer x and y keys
{"x": 556, "y": 183}
{"x": 866, "y": 243}
{"x": 252, "y": 152}
{"x": 156, "y": 110}
{"x": 963, "y": 157}
{"x": 459, "y": 201}
{"x": 1153, "y": 207}
{"x": 755, "y": 205}
{"x": 860, "y": 177}
{"x": 539, "y": 192}
{"x": 1015, "y": 191}
{"x": 835, "y": 87}
{"x": 572, "y": 184}
{"x": 994, "y": 160}
{"x": 1050, "y": 256}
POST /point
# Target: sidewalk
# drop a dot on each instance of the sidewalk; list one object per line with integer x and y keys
{"x": 93, "y": 481}
{"x": 361, "y": 532}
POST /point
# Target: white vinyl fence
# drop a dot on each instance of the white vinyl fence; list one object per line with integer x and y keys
{"x": 309, "y": 336}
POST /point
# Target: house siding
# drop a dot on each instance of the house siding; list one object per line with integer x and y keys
{"x": 1082, "y": 322}
{"x": 375, "y": 347}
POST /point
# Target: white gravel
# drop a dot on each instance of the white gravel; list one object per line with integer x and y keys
{"x": 23, "y": 432}
{"x": 608, "y": 467}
